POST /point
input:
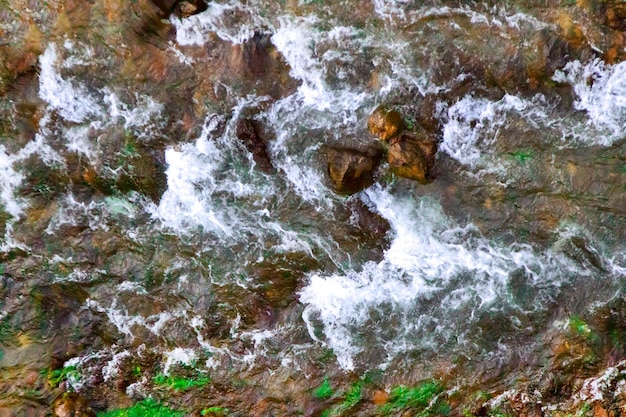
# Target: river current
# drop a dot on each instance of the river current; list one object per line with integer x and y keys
{"x": 237, "y": 272}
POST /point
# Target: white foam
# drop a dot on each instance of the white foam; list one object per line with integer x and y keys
{"x": 190, "y": 183}
{"x": 473, "y": 125}
{"x": 219, "y": 19}
{"x": 391, "y": 9}
{"x": 125, "y": 322}
{"x": 178, "y": 356}
{"x": 427, "y": 254}
{"x": 142, "y": 118}
{"x": 10, "y": 180}
{"x": 89, "y": 111}
{"x": 71, "y": 100}
{"x": 72, "y": 212}
{"x": 112, "y": 368}
{"x": 601, "y": 92}
{"x": 595, "y": 389}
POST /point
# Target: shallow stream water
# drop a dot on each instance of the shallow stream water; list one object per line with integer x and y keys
{"x": 269, "y": 275}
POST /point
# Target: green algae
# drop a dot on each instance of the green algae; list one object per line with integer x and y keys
{"x": 56, "y": 376}
{"x": 215, "y": 411}
{"x": 421, "y": 398}
{"x": 324, "y": 391}
{"x": 145, "y": 408}
{"x": 351, "y": 398}
{"x": 178, "y": 383}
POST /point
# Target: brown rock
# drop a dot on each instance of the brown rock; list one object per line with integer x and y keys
{"x": 259, "y": 64}
{"x": 181, "y": 8}
{"x": 248, "y": 132}
{"x": 426, "y": 115}
{"x": 350, "y": 170}
{"x": 380, "y": 397}
{"x": 599, "y": 411}
{"x": 406, "y": 158}
{"x": 429, "y": 149}
{"x": 385, "y": 123}
{"x": 551, "y": 51}
{"x": 70, "y": 404}
{"x": 616, "y": 15}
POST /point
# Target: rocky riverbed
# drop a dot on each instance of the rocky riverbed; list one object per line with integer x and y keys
{"x": 318, "y": 208}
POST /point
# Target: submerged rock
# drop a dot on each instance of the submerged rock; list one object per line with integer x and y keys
{"x": 248, "y": 131}
{"x": 385, "y": 124}
{"x": 255, "y": 66}
{"x": 351, "y": 170}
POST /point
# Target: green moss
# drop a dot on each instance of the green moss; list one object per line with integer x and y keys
{"x": 181, "y": 383}
{"x": 215, "y": 411}
{"x": 324, "y": 390}
{"x": 418, "y": 398}
{"x": 353, "y": 395}
{"x": 497, "y": 413}
{"x": 56, "y": 376}
{"x": 8, "y": 333}
{"x": 579, "y": 327}
{"x": 146, "y": 408}
{"x": 521, "y": 155}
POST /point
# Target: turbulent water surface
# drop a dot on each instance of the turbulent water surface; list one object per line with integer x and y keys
{"x": 139, "y": 233}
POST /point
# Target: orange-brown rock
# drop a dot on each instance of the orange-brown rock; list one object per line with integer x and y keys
{"x": 181, "y": 8}
{"x": 350, "y": 170}
{"x": 406, "y": 158}
{"x": 70, "y": 404}
{"x": 616, "y": 15}
{"x": 385, "y": 124}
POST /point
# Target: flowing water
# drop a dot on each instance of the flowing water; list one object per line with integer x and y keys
{"x": 244, "y": 273}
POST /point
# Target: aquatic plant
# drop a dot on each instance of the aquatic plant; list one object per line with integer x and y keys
{"x": 352, "y": 397}
{"x": 178, "y": 383}
{"x": 578, "y": 326}
{"x": 324, "y": 390}
{"x": 418, "y": 398}
{"x": 521, "y": 155}
{"x": 145, "y": 408}
{"x": 215, "y": 411}
{"x": 56, "y": 376}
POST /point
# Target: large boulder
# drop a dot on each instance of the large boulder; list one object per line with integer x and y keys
{"x": 385, "y": 123}
{"x": 407, "y": 159}
{"x": 352, "y": 170}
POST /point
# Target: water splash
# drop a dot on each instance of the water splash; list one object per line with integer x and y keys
{"x": 601, "y": 92}
{"x": 430, "y": 258}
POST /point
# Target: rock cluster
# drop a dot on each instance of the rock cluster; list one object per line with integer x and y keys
{"x": 410, "y": 153}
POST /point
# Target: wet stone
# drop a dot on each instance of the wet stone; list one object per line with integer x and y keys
{"x": 350, "y": 170}
{"x": 616, "y": 15}
{"x": 181, "y": 8}
{"x": 253, "y": 66}
{"x": 406, "y": 159}
{"x": 248, "y": 132}
{"x": 385, "y": 123}
{"x": 71, "y": 404}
